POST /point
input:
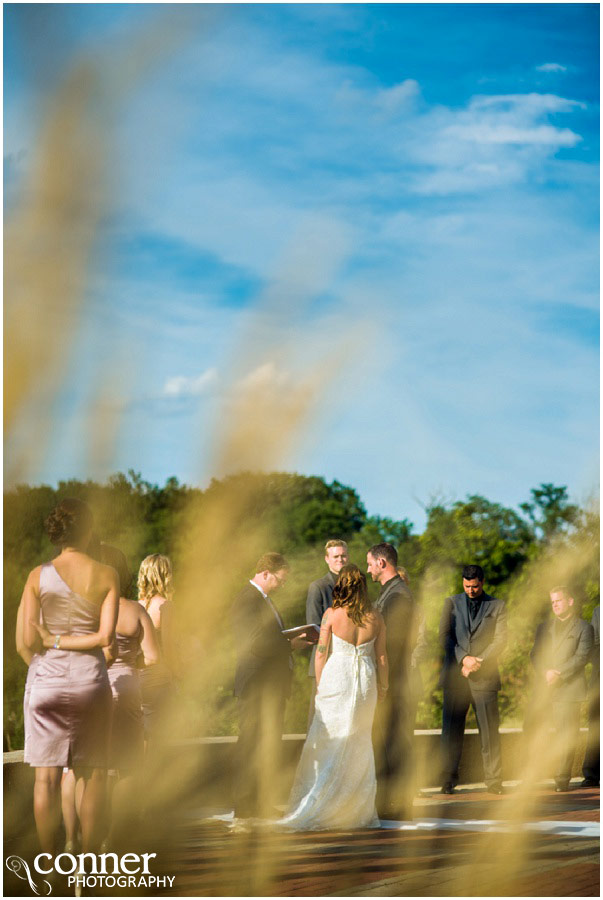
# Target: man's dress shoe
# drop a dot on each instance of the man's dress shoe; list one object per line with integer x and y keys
{"x": 562, "y": 788}
{"x": 496, "y": 788}
{"x": 589, "y": 782}
{"x": 448, "y": 788}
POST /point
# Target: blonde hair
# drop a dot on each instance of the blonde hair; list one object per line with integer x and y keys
{"x": 335, "y": 543}
{"x": 155, "y": 578}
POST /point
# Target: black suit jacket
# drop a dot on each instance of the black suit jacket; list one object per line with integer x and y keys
{"x": 320, "y": 598}
{"x": 263, "y": 653}
{"x": 567, "y": 651}
{"x": 396, "y": 605}
{"x": 486, "y": 637}
{"x": 595, "y": 655}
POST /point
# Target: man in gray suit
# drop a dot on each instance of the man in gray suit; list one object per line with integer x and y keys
{"x": 590, "y": 766}
{"x": 562, "y": 647}
{"x": 320, "y": 598}
{"x": 392, "y": 731}
{"x": 473, "y": 633}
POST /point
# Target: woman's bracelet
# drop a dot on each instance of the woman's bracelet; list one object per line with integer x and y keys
{"x": 57, "y": 642}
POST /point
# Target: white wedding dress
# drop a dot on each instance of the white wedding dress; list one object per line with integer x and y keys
{"x": 335, "y": 783}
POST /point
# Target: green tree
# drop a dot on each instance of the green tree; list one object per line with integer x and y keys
{"x": 550, "y": 511}
{"x": 475, "y": 530}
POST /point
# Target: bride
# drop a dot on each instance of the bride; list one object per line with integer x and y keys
{"x": 335, "y": 782}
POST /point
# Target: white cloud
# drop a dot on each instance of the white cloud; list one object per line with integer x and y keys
{"x": 494, "y": 141}
{"x": 492, "y": 133}
{"x": 264, "y": 376}
{"x": 183, "y": 386}
{"x": 551, "y": 67}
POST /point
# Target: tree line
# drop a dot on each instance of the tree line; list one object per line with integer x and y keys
{"x": 547, "y": 540}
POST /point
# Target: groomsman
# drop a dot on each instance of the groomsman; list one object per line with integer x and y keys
{"x": 392, "y": 732}
{"x": 473, "y": 633}
{"x": 562, "y": 648}
{"x": 320, "y": 598}
{"x": 262, "y": 685}
{"x": 590, "y": 766}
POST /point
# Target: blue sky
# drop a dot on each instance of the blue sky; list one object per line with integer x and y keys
{"x": 399, "y": 200}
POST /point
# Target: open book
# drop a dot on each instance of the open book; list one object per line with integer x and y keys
{"x": 311, "y": 632}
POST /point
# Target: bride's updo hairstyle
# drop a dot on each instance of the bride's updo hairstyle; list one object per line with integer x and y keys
{"x": 69, "y": 523}
{"x": 350, "y": 591}
{"x": 155, "y": 578}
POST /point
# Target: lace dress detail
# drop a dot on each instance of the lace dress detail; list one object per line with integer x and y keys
{"x": 335, "y": 783}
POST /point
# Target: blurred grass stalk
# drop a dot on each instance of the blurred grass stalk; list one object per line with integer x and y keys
{"x": 274, "y": 400}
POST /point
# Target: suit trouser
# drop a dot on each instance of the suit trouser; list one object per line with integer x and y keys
{"x": 590, "y": 766}
{"x": 566, "y": 719}
{"x": 258, "y": 751}
{"x": 392, "y": 743}
{"x": 546, "y": 752}
{"x": 457, "y": 700}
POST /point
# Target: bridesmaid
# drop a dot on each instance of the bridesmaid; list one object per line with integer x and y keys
{"x": 70, "y": 698}
{"x": 155, "y": 594}
{"x": 134, "y": 635}
{"x": 31, "y": 660}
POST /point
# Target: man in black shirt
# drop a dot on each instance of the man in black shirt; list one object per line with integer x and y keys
{"x": 392, "y": 731}
{"x": 473, "y": 633}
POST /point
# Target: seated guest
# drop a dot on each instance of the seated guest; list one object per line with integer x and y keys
{"x": 562, "y": 647}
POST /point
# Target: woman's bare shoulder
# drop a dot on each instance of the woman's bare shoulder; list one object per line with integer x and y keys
{"x": 142, "y": 614}
{"x": 33, "y": 579}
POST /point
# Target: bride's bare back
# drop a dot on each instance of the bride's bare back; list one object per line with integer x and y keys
{"x": 337, "y": 622}
{"x": 345, "y": 628}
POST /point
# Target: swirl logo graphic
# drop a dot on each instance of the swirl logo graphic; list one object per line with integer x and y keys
{"x": 21, "y": 870}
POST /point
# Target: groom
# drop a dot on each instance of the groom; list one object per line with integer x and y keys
{"x": 393, "y": 730}
{"x": 262, "y": 685}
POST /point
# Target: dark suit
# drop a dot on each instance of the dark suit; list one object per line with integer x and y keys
{"x": 262, "y": 685}
{"x": 319, "y": 600}
{"x": 565, "y": 647}
{"x": 590, "y": 766}
{"x": 484, "y": 636}
{"x": 419, "y": 654}
{"x": 392, "y": 738}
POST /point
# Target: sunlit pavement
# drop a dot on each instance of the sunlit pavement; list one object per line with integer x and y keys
{"x": 523, "y": 843}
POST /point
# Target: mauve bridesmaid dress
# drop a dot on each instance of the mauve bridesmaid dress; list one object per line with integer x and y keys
{"x": 69, "y": 710}
{"x": 127, "y": 735}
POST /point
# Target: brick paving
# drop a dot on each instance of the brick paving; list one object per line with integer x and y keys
{"x": 441, "y": 858}
{"x": 209, "y": 860}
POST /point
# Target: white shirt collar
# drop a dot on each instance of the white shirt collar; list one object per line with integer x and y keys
{"x": 259, "y": 588}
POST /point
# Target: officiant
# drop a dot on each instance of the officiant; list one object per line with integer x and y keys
{"x": 262, "y": 685}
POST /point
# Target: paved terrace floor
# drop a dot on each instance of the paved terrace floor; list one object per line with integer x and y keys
{"x": 463, "y": 845}
{"x": 456, "y": 846}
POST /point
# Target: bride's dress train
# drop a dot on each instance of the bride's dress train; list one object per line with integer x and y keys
{"x": 335, "y": 783}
